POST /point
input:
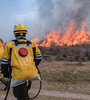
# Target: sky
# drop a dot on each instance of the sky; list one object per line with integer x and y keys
{"x": 40, "y": 16}
{"x": 13, "y": 12}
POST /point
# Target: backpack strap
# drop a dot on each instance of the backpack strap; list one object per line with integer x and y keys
{"x": 34, "y": 52}
{"x": 28, "y": 43}
{"x": 16, "y": 42}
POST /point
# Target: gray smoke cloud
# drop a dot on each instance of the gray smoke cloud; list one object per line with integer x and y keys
{"x": 45, "y": 12}
{"x": 82, "y": 14}
{"x": 55, "y": 13}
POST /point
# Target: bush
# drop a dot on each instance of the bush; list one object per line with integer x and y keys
{"x": 73, "y": 53}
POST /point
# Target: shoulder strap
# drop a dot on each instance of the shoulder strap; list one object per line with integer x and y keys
{"x": 16, "y": 42}
{"x": 34, "y": 52}
{"x": 28, "y": 42}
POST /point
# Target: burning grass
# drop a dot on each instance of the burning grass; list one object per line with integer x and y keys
{"x": 72, "y": 36}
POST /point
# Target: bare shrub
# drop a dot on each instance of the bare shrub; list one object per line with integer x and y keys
{"x": 78, "y": 53}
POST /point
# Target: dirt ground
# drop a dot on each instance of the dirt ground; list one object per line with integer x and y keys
{"x": 61, "y": 81}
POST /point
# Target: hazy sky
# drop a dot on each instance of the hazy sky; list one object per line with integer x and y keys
{"x": 13, "y": 12}
{"x": 40, "y": 16}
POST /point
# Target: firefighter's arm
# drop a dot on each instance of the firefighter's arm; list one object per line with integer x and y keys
{"x": 38, "y": 56}
{"x": 1, "y": 50}
{"x": 5, "y": 71}
{"x": 5, "y": 62}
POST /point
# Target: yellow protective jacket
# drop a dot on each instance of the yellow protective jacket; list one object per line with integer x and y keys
{"x": 23, "y": 68}
{"x": 1, "y": 50}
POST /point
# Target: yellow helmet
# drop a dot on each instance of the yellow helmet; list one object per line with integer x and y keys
{"x": 1, "y": 40}
{"x": 20, "y": 29}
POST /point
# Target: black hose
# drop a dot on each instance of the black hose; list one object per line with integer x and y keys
{"x": 39, "y": 88}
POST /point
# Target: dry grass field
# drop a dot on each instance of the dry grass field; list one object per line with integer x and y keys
{"x": 71, "y": 78}
{"x": 66, "y": 76}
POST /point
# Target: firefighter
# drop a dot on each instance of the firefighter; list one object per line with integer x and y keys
{"x": 20, "y": 60}
{"x": 1, "y": 48}
{"x": 2, "y": 79}
{"x": 1, "y": 53}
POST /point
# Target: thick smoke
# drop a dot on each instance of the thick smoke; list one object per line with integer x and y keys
{"x": 81, "y": 14}
{"x": 45, "y": 12}
{"x": 55, "y": 13}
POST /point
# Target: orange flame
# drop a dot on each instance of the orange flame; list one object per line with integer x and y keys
{"x": 70, "y": 37}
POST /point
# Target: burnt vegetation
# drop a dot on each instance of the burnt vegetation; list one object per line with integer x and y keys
{"x": 73, "y": 53}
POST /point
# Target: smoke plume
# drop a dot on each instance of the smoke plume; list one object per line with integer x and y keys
{"x": 55, "y": 13}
